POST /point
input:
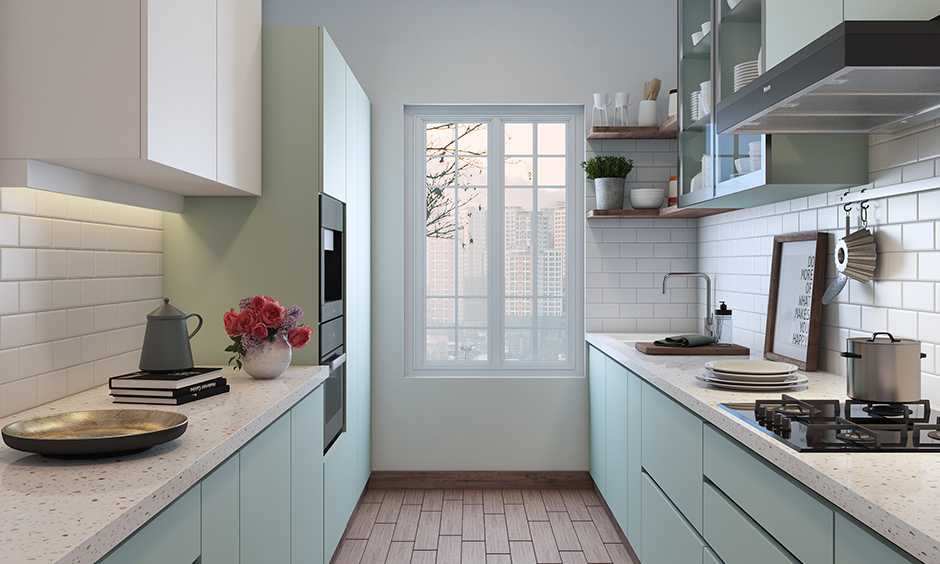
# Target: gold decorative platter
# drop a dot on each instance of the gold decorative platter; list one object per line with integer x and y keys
{"x": 89, "y": 434}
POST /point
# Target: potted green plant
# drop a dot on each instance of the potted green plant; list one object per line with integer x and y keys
{"x": 608, "y": 173}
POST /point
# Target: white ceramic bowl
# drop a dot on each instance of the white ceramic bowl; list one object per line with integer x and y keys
{"x": 647, "y": 198}
{"x": 733, "y": 3}
{"x": 755, "y": 163}
{"x": 696, "y": 37}
{"x": 696, "y": 183}
{"x": 743, "y": 166}
{"x": 754, "y": 147}
{"x": 706, "y": 27}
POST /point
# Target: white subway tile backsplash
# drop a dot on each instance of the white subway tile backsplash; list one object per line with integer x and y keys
{"x": 928, "y": 205}
{"x": 66, "y": 352}
{"x": 51, "y": 204}
{"x": 129, "y": 314}
{"x": 94, "y": 291}
{"x": 918, "y": 295}
{"x": 917, "y": 236}
{"x": 81, "y": 264}
{"x": 902, "y": 208}
{"x": 35, "y": 359}
{"x": 106, "y": 317}
{"x": 17, "y": 330}
{"x": 106, "y": 212}
{"x": 928, "y": 327}
{"x": 17, "y": 264}
{"x": 52, "y": 386}
{"x": 81, "y": 377}
{"x": 51, "y": 263}
{"x": 94, "y": 347}
{"x": 128, "y": 264}
{"x": 35, "y": 232}
{"x": 66, "y": 234}
{"x": 94, "y": 236}
{"x": 66, "y": 293}
{"x": 81, "y": 209}
{"x": 897, "y": 266}
{"x": 107, "y": 264}
{"x": 138, "y": 240}
{"x": 9, "y": 297}
{"x": 51, "y": 325}
{"x": 118, "y": 238}
{"x": 20, "y": 201}
{"x": 17, "y": 395}
{"x": 929, "y": 265}
{"x": 81, "y": 321}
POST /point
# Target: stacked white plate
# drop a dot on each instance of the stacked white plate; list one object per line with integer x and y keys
{"x": 744, "y": 73}
{"x": 752, "y": 375}
{"x": 694, "y": 105}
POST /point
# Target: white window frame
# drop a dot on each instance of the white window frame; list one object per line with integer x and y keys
{"x": 415, "y": 234}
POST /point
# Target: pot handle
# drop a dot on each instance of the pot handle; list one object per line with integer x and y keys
{"x": 850, "y": 355}
{"x": 198, "y": 327}
{"x": 890, "y": 336}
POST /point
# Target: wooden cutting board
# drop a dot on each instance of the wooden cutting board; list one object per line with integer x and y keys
{"x": 650, "y": 348}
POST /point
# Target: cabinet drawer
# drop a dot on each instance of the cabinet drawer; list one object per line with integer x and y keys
{"x": 597, "y": 390}
{"x": 668, "y": 538}
{"x": 857, "y": 545}
{"x": 672, "y": 452}
{"x": 785, "y": 509}
{"x": 735, "y": 537}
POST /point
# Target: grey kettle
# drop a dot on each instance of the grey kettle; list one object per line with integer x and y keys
{"x": 166, "y": 341}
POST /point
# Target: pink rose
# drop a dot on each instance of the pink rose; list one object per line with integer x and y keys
{"x": 299, "y": 336}
{"x": 260, "y": 331}
{"x": 247, "y": 320}
{"x": 271, "y": 314}
{"x": 257, "y": 302}
{"x": 230, "y": 318}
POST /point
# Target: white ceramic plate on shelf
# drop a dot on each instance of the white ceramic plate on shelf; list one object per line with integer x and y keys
{"x": 744, "y": 366}
{"x": 755, "y": 378}
{"x": 790, "y": 380}
{"x": 751, "y": 388}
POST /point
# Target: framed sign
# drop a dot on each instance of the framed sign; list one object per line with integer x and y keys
{"x": 794, "y": 306}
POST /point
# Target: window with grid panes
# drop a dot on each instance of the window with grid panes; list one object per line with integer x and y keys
{"x": 494, "y": 199}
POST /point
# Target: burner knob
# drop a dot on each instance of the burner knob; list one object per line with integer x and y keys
{"x": 761, "y": 412}
{"x": 779, "y": 418}
{"x": 785, "y": 425}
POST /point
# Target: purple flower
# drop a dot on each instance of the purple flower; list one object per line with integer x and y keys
{"x": 244, "y": 303}
{"x": 291, "y": 317}
{"x": 250, "y": 342}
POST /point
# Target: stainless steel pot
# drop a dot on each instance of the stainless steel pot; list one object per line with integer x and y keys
{"x": 883, "y": 370}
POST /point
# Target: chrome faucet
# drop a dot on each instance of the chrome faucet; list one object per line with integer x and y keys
{"x": 709, "y": 330}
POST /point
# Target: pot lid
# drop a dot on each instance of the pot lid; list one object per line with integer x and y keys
{"x": 883, "y": 338}
{"x": 166, "y": 311}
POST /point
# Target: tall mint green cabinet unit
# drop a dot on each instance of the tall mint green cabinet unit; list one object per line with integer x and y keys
{"x": 737, "y": 171}
{"x": 683, "y": 491}
{"x": 316, "y": 138}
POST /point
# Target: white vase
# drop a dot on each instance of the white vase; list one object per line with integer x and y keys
{"x": 270, "y": 360}
{"x": 609, "y": 192}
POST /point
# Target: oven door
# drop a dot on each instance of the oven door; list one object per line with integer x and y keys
{"x": 334, "y": 398}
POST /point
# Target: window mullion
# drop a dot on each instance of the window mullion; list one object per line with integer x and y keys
{"x": 497, "y": 247}
{"x": 534, "y": 242}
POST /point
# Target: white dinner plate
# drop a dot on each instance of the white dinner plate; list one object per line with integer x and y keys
{"x": 745, "y": 366}
{"x": 746, "y": 388}
{"x": 738, "y": 377}
{"x": 793, "y": 380}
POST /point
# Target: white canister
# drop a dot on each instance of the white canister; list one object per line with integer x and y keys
{"x": 647, "y": 114}
{"x": 673, "y": 190}
{"x": 673, "y": 104}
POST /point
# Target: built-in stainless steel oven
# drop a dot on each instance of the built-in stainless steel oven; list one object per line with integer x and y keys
{"x": 332, "y": 326}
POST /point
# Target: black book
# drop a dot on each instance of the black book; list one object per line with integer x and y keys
{"x": 165, "y": 381}
{"x": 164, "y": 393}
{"x": 173, "y": 401}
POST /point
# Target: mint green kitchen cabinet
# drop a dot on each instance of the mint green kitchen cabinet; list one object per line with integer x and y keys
{"x": 709, "y": 557}
{"x": 265, "y": 496}
{"x": 306, "y": 479}
{"x": 672, "y": 453}
{"x": 597, "y": 392}
{"x": 172, "y": 537}
{"x": 857, "y": 545}
{"x": 333, "y": 112}
{"x": 735, "y": 537}
{"x": 668, "y": 538}
{"x": 220, "y": 514}
{"x": 797, "y": 519}
{"x": 340, "y": 491}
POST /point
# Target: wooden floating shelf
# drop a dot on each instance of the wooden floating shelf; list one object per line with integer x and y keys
{"x": 671, "y": 211}
{"x": 668, "y": 130}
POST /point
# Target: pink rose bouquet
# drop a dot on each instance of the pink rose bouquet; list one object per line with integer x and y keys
{"x": 260, "y": 319}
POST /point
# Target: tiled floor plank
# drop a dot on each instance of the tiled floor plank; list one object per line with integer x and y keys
{"x": 400, "y": 553}
{"x": 516, "y": 523}
{"x": 492, "y": 501}
{"x": 573, "y": 558}
{"x": 472, "y": 553}
{"x": 575, "y": 505}
{"x": 619, "y": 554}
{"x": 473, "y": 497}
{"x": 522, "y": 552}
{"x": 589, "y": 497}
{"x": 391, "y": 505}
{"x": 473, "y": 523}
{"x": 379, "y": 543}
{"x": 452, "y": 517}
{"x": 534, "y": 507}
{"x": 591, "y": 543}
{"x": 351, "y": 552}
{"x": 494, "y": 530}
{"x": 498, "y": 559}
{"x": 413, "y": 497}
{"x": 373, "y": 496}
{"x": 422, "y": 557}
{"x": 453, "y": 494}
{"x": 448, "y": 550}
{"x": 605, "y": 528}
{"x": 433, "y": 500}
{"x": 553, "y": 500}
{"x": 565, "y": 537}
{"x": 429, "y": 529}
{"x": 512, "y": 496}
{"x": 543, "y": 540}
{"x": 362, "y": 523}
{"x": 407, "y": 526}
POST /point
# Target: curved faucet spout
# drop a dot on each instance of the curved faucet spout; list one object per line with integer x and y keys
{"x": 709, "y": 330}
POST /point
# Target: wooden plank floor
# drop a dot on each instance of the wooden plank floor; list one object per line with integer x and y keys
{"x": 481, "y": 527}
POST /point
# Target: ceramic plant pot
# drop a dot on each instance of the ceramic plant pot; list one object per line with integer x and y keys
{"x": 609, "y": 193}
{"x": 270, "y": 360}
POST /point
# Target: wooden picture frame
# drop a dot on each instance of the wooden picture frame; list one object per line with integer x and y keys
{"x": 794, "y": 305}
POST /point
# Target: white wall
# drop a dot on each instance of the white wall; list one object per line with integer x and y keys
{"x": 492, "y": 51}
{"x": 77, "y": 280}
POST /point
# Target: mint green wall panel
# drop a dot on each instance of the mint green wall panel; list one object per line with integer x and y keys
{"x": 172, "y": 537}
{"x": 220, "y": 513}
{"x": 668, "y": 538}
{"x": 597, "y": 369}
{"x": 306, "y": 479}
{"x": 672, "y": 452}
{"x": 363, "y": 338}
{"x": 265, "y": 467}
{"x": 339, "y": 491}
{"x": 618, "y": 427}
{"x": 857, "y": 545}
{"x": 735, "y": 537}
{"x": 799, "y": 521}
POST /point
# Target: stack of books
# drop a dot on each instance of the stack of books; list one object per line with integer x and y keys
{"x": 171, "y": 388}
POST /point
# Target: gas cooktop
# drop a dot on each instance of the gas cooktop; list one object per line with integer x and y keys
{"x": 809, "y": 425}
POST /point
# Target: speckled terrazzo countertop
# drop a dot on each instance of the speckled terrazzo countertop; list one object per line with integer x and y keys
{"x": 76, "y": 511}
{"x": 895, "y": 494}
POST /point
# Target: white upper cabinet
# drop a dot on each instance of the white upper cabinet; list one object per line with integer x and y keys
{"x": 159, "y": 93}
{"x": 333, "y": 83}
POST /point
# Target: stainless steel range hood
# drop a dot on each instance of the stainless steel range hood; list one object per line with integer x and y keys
{"x": 860, "y": 77}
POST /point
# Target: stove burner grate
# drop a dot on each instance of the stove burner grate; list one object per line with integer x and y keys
{"x": 856, "y": 436}
{"x": 887, "y": 410}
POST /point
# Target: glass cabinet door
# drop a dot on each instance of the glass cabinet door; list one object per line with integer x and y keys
{"x": 695, "y": 119}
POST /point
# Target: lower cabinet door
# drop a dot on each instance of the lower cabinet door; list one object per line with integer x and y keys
{"x": 618, "y": 434}
{"x": 339, "y": 492}
{"x": 597, "y": 391}
{"x": 668, "y": 538}
{"x": 172, "y": 537}
{"x": 857, "y": 545}
{"x": 265, "y": 496}
{"x": 306, "y": 504}
{"x": 220, "y": 513}
{"x": 709, "y": 557}
{"x": 735, "y": 537}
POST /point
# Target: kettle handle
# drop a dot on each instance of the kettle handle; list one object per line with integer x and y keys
{"x": 198, "y": 327}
